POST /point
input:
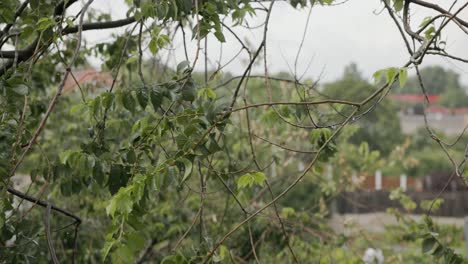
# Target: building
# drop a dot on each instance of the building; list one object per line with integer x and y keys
{"x": 441, "y": 119}
{"x": 87, "y": 78}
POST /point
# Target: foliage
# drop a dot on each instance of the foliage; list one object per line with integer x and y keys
{"x": 436, "y": 80}
{"x": 454, "y": 99}
{"x": 433, "y": 238}
{"x": 168, "y": 165}
{"x": 381, "y": 127}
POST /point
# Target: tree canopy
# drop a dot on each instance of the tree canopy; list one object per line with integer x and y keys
{"x": 166, "y": 164}
{"x": 436, "y": 79}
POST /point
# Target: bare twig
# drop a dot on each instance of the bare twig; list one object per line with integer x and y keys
{"x": 48, "y": 236}
{"x": 57, "y": 95}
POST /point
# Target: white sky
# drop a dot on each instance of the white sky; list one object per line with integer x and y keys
{"x": 336, "y": 36}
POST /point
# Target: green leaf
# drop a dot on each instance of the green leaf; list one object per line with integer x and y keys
{"x": 364, "y": 150}
{"x": 223, "y": 254}
{"x": 398, "y": 5}
{"x": 98, "y": 174}
{"x": 448, "y": 255}
{"x": 131, "y": 60}
{"x": 142, "y": 97}
{"x": 287, "y": 212}
{"x": 44, "y": 23}
{"x": 187, "y": 169}
{"x": 122, "y": 254}
{"x": 428, "y": 244}
{"x": 207, "y": 93}
{"x": 135, "y": 241}
{"x": 95, "y": 106}
{"x": 107, "y": 247}
{"x": 174, "y": 259}
{"x": 425, "y": 21}
{"x": 156, "y": 99}
{"x": 147, "y": 9}
{"x": 182, "y": 66}
{"x": 79, "y": 108}
{"x": 391, "y": 74}
{"x": 249, "y": 179}
{"x": 61, "y": 171}
{"x": 153, "y": 46}
{"x": 377, "y": 76}
{"x": 7, "y": 14}
{"x": 2, "y": 213}
{"x": 189, "y": 91}
{"x": 65, "y": 155}
{"x": 130, "y": 157}
{"x": 121, "y": 203}
{"x": 220, "y": 36}
{"x": 210, "y": 93}
{"x": 66, "y": 187}
{"x": 439, "y": 251}
{"x": 21, "y": 89}
{"x": 107, "y": 99}
{"x": 128, "y": 101}
{"x": 430, "y": 32}
{"x": 403, "y": 77}
{"x": 118, "y": 177}
{"x": 320, "y": 136}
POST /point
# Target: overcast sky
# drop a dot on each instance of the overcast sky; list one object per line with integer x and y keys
{"x": 352, "y": 32}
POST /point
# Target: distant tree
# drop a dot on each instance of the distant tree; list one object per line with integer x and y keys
{"x": 381, "y": 127}
{"x": 436, "y": 80}
{"x": 173, "y": 166}
{"x": 454, "y": 98}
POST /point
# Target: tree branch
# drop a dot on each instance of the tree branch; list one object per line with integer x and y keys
{"x": 43, "y": 203}
{"x": 48, "y": 235}
{"x": 100, "y": 25}
{"x": 26, "y": 53}
{"x": 18, "y": 12}
{"x": 438, "y": 9}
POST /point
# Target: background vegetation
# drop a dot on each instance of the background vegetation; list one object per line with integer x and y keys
{"x": 167, "y": 164}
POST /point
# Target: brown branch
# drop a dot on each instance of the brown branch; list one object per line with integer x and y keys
{"x": 284, "y": 192}
{"x": 148, "y": 250}
{"x": 28, "y": 51}
{"x": 48, "y": 236}
{"x": 267, "y": 84}
{"x": 194, "y": 221}
{"x": 392, "y": 15}
{"x": 21, "y": 54}
{"x": 444, "y": 54}
{"x": 57, "y": 95}
{"x": 62, "y": 6}
{"x": 247, "y": 70}
{"x": 202, "y": 202}
{"x": 306, "y": 170}
{"x": 114, "y": 81}
{"x": 319, "y": 102}
{"x": 406, "y": 23}
{"x": 100, "y": 25}
{"x": 18, "y": 13}
{"x": 438, "y": 9}
{"x": 75, "y": 243}
{"x": 42, "y": 203}
{"x": 286, "y": 148}
{"x": 424, "y": 48}
{"x": 270, "y": 78}
{"x": 283, "y": 228}
{"x": 140, "y": 55}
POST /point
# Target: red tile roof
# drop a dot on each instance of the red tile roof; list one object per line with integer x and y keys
{"x": 414, "y": 98}
{"x": 98, "y": 79}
